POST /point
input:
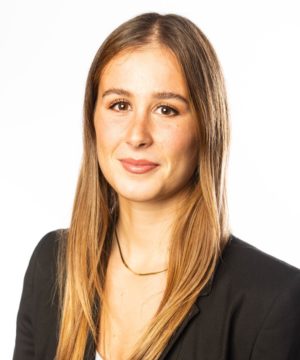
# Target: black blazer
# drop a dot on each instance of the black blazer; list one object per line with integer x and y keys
{"x": 250, "y": 310}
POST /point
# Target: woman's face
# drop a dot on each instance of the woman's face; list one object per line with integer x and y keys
{"x": 145, "y": 129}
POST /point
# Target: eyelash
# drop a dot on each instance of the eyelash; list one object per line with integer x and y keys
{"x": 175, "y": 111}
{"x": 118, "y": 101}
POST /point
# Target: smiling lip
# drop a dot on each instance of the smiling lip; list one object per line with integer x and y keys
{"x": 140, "y": 166}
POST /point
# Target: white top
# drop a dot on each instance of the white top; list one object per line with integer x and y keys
{"x": 98, "y": 356}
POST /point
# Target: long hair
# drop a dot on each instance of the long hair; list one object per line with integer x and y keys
{"x": 201, "y": 230}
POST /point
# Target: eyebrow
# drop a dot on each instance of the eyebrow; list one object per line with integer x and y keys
{"x": 157, "y": 95}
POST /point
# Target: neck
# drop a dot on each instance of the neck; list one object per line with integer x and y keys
{"x": 144, "y": 231}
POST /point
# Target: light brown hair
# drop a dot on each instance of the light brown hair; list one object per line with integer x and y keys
{"x": 201, "y": 231}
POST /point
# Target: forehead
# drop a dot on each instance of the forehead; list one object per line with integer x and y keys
{"x": 152, "y": 67}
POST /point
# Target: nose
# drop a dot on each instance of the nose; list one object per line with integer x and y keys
{"x": 139, "y": 133}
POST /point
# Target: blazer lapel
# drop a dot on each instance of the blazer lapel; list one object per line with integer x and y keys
{"x": 192, "y": 313}
{"x": 90, "y": 350}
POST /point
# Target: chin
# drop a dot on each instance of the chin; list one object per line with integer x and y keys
{"x": 138, "y": 196}
{"x": 138, "y": 192}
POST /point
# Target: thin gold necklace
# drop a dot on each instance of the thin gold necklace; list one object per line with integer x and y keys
{"x": 134, "y": 272}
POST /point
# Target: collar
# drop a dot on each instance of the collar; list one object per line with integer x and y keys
{"x": 208, "y": 287}
{"x": 195, "y": 309}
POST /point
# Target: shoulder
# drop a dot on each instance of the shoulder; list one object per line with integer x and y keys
{"x": 45, "y": 255}
{"x": 248, "y": 262}
{"x": 50, "y": 241}
{"x": 246, "y": 270}
{"x": 254, "y": 296}
{"x": 40, "y": 282}
{"x": 261, "y": 298}
{"x": 37, "y": 320}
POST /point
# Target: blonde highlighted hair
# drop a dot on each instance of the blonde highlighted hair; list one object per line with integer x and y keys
{"x": 201, "y": 231}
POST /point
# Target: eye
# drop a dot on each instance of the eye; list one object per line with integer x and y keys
{"x": 168, "y": 110}
{"x": 120, "y": 105}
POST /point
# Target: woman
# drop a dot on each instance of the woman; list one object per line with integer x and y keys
{"x": 148, "y": 268}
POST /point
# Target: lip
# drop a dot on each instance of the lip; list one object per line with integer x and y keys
{"x": 138, "y": 166}
{"x": 138, "y": 162}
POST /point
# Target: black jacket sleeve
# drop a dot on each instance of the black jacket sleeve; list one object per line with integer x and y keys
{"x": 279, "y": 336}
{"x": 24, "y": 347}
{"x": 37, "y": 319}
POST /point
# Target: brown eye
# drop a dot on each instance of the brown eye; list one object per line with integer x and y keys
{"x": 120, "y": 106}
{"x": 168, "y": 111}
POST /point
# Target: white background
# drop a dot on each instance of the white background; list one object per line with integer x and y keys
{"x": 46, "y": 50}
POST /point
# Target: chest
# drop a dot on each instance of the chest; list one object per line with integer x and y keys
{"x": 132, "y": 302}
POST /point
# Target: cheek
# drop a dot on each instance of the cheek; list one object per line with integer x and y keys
{"x": 106, "y": 136}
{"x": 181, "y": 144}
{"x": 103, "y": 144}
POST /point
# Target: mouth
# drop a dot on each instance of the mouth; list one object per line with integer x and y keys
{"x": 140, "y": 166}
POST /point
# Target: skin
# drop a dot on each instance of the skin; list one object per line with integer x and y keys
{"x": 139, "y": 124}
